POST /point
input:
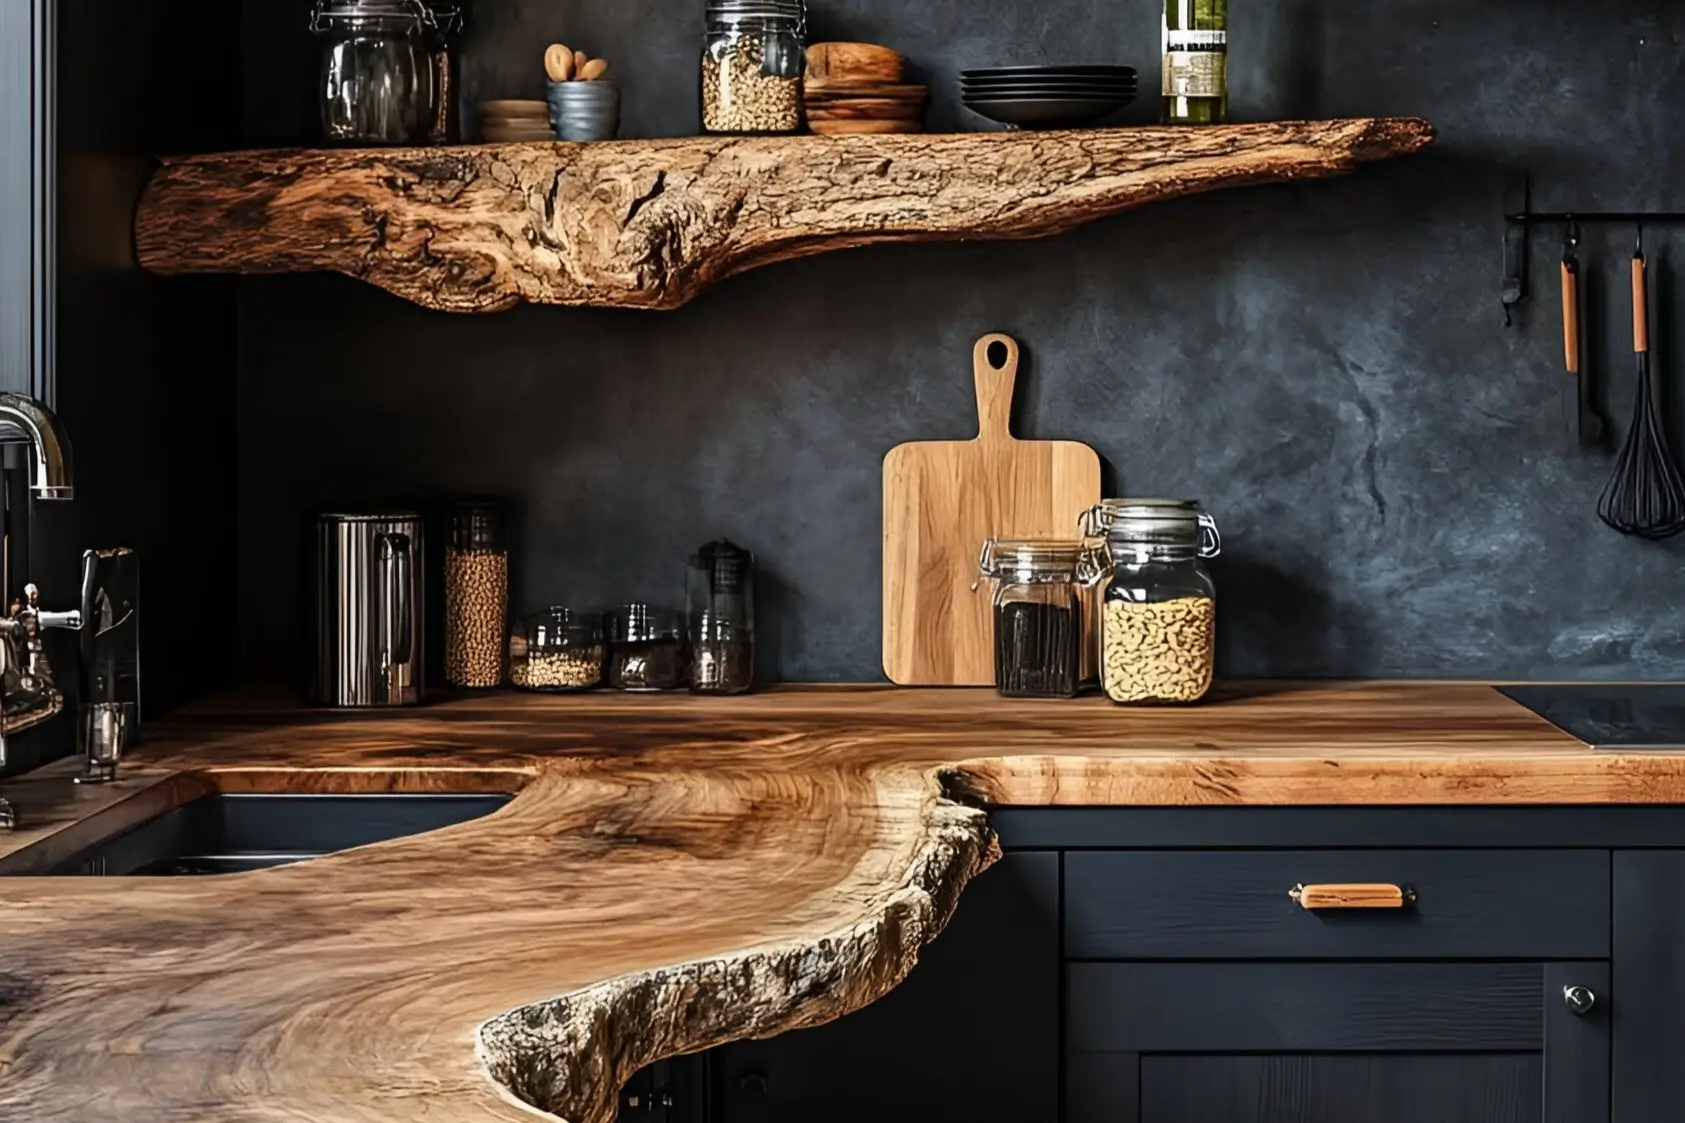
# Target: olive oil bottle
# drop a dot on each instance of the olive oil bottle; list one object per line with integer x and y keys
{"x": 1196, "y": 55}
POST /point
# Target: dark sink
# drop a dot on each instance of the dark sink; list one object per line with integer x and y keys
{"x": 231, "y": 833}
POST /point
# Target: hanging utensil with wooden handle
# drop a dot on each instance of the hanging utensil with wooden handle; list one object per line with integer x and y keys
{"x": 1589, "y": 421}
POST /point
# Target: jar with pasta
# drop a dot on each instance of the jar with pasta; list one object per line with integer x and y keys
{"x": 1158, "y": 614}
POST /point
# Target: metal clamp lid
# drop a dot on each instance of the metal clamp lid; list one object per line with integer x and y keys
{"x": 327, "y": 14}
{"x": 1162, "y": 521}
{"x": 760, "y": 9}
{"x": 1033, "y": 560}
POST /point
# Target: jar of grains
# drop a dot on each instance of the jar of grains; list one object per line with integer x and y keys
{"x": 1158, "y": 615}
{"x": 476, "y": 594}
{"x": 557, "y": 649}
{"x": 1038, "y": 616}
{"x": 753, "y": 58}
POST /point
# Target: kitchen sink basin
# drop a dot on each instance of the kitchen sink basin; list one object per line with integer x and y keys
{"x": 227, "y": 833}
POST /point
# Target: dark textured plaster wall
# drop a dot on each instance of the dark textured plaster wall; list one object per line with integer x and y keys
{"x": 1324, "y": 365}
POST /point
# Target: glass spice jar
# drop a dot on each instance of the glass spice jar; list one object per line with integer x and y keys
{"x": 646, "y": 649}
{"x": 720, "y": 604}
{"x": 1158, "y": 615}
{"x": 476, "y": 594}
{"x": 557, "y": 650}
{"x": 1038, "y": 616}
{"x": 753, "y": 57}
{"x": 376, "y": 84}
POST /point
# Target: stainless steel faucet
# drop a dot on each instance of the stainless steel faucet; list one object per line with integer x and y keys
{"x": 27, "y": 694}
{"x": 25, "y": 419}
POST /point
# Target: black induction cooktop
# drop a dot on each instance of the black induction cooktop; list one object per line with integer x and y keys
{"x": 1611, "y": 716}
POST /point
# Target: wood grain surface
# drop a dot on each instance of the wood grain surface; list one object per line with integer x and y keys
{"x": 672, "y": 873}
{"x": 652, "y": 223}
{"x": 942, "y": 500}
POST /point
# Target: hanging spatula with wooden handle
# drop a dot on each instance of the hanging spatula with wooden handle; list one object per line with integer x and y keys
{"x": 942, "y": 500}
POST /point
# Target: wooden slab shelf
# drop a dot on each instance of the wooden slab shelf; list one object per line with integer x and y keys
{"x": 672, "y": 873}
{"x": 650, "y": 224}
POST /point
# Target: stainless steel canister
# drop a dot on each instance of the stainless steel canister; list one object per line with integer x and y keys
{"x": 366, "y": 610}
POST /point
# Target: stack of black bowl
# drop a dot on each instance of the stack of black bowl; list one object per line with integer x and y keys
{"x": 1047, "y": 97}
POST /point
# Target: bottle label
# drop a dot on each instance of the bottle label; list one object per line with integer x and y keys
{"x": 1195, "y": 63}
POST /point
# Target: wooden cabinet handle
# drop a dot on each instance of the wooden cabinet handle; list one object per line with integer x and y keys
{"x": 1352, "y": 896}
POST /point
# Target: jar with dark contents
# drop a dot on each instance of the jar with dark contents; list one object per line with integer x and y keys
{"x": 558, "y": 650}
{"x": 647, "y": 649}
{"x": 476, "y": 593}
{"x": 1038, "y": 616}
{"x": 720, "y": 604}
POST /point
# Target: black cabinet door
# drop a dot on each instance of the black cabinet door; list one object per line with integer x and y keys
{"x": 972, "y": 1036}
{"x": 1336, "y": 1043}
{"x": 1649, "y": 968}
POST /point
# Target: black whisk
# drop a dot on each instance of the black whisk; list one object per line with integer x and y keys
{"x": 1645, "y": 496}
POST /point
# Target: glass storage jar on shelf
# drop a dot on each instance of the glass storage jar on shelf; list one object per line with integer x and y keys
{"x": 1158, "y": 615}
{"x": 377, "y": 77}
{"x": 753, "y": 59}
{"x": 1037, "y": 616}
{"x": 557, "y": 650}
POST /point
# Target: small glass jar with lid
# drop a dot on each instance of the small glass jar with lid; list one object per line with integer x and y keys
{"x": 557, "y": 649}
{"x": 377, "y": 76}
{"x": 1158, "y": 613}
{"x": 1037, "y": 615}
{"x": 753, "y": 57}
{"x": 647, "y": 649}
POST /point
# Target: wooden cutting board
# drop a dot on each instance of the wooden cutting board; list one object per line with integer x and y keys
{"x": 941, "y": 500}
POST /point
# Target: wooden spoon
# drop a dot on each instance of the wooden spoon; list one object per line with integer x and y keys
{"x": 558, "y": 62}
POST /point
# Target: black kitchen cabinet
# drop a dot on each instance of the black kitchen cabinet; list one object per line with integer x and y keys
{"x": 1148, "y": 966}
{"x": 1341, "y": 1042}
{"x": 972, "y": 1036}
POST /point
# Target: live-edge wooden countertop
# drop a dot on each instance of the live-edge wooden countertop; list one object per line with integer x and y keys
{"x": 672, "y": 873}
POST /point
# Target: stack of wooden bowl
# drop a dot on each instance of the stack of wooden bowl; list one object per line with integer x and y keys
{"x": 512, "y": 120}
{"x": 854, "y": 88}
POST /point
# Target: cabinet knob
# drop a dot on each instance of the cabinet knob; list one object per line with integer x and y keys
{"x": 1579, "y": 1000}
{"x": 752, "y": 1087}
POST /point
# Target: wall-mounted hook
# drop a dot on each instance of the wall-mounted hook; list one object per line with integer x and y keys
{"x": 1517, "y": 197}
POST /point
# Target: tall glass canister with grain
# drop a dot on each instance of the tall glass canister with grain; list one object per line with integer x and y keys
{"x": 1196, "y": 56}
{"x": 476, "y": 593}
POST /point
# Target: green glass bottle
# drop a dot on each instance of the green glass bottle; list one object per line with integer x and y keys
{"x": 1196, "y": 55}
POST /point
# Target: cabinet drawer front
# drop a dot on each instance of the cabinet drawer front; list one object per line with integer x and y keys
{"x": 1467, "y": 904}
{"x": 1309, "y": 1007}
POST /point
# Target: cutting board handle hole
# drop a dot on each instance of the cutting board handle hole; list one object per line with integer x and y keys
{"x": 998, "y": 354}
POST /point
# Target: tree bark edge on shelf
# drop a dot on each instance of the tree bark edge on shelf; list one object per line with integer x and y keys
{"x": 653, "y": 223}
